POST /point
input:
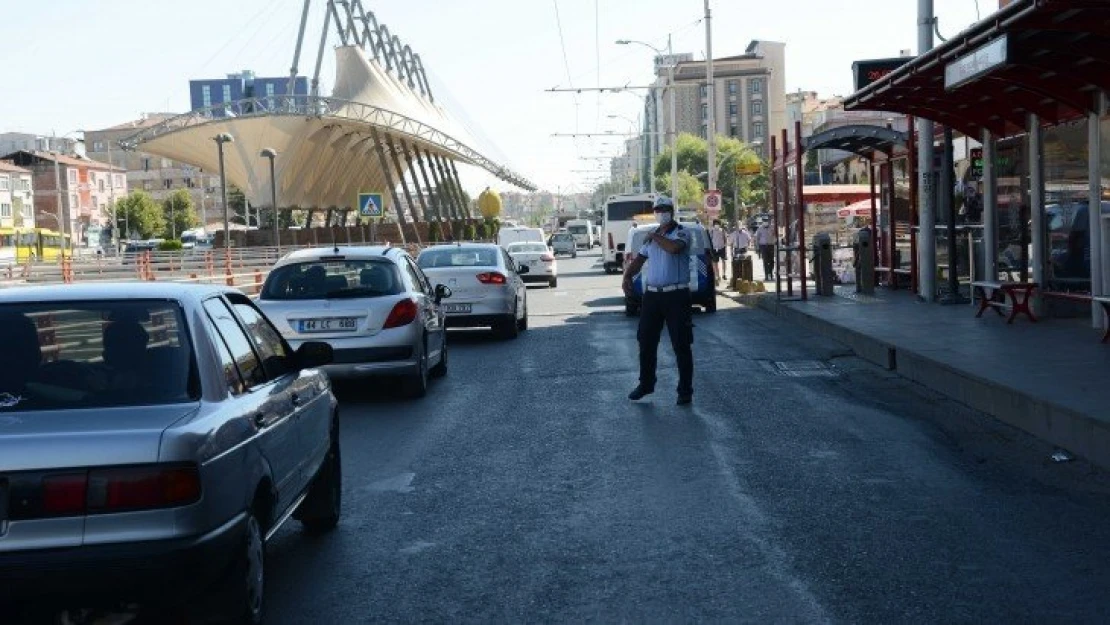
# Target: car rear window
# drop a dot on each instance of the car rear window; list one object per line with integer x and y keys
{"x": 527, "y": 247}
{"x": 461, "y": 257}
{"x": 100, "y": 354}
{"x": 333, "y": 279}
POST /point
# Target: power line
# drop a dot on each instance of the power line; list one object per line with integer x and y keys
{"x": 566, "y": 61}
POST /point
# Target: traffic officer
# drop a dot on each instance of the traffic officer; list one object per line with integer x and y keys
{"x": 665, "y": 261}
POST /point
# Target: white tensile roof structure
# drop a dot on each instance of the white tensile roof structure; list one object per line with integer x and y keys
{"x": 328, "y": 147}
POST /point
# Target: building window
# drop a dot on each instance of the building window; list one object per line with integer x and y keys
{"x": 72, "y": 173}
{"x": 167, "y": 183}
{"x": 705, "y": 91}
{"x": 704, "y": 111}
{"x": 167, "y": 163}
{"x": 23, "y": 184}
{"x": 270, "y": 89}
{"x": 732, "y": 132}
{"x": 5, "y": 210}
{"x": 227, "y": 93}
{"x": 206, "y": 95}
{"x": 146, "y": 164}
{"x": 757, "y": 107}
{"x": 73, "y": 203}
{"x": 98, "y": 146}
{"x": 146, "y": 185}
{"x": 732, "y": 109}
{"x": 704, "y": 131}
{"x": 757, "y": 130}
{"x": 757, "y": 85}
{"x": 100, "y": 185}
{"x": 28, "y": 211}
{"x": 4, "y": 182}
{"x": 732, "y": 87}
{"x": 117, "y": 182}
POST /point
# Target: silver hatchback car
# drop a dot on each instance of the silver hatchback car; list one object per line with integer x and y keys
{"x": 153, "y": 436}
{"x": 485, "y": 285}
{"x": 372, "y": 304}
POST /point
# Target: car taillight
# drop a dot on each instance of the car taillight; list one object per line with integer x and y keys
{"x": 64, "y": 495}
{"x": 140, "y": 488}
{"x": 610, "y": 240}
{"x": 547, "y": 258}
{"x": 403, "y": 313}
{"x": 491, "y": 278}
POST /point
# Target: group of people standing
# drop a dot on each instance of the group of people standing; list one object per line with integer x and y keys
{"x": 740, "y": 241}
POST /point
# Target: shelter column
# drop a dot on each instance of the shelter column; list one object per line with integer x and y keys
{"x": 1036, "y": 203}
{"x": 427, "y": 185}
{"x": 990, "y": 208}
{"x": 450, "y": 188}
{"x": 1094, "y": 205}
{"x": 442, "y": 200}
{"x": 415, "y": 182}
{"x": 389, "y": 181}
{"x": 458, "y": 183}
{"x": 404, "y": 187}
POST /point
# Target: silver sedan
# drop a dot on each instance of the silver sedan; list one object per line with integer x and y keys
{"x": 485, "y": 284}
{"x": 152, "y": 438}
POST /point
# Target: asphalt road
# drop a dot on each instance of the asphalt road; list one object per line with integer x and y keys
{"x": 802, "y": 485}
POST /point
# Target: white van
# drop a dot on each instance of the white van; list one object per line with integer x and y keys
{"x": 583, "y": 231}
{"x": 505, "y": 236}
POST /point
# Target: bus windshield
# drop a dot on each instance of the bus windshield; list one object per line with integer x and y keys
{"x": 625, "y": 211}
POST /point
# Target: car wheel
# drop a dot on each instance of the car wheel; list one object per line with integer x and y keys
{"x": 320, "y": 510}
{"x": 574, "y": 255}
{"x": 522, "y": 323}
{"x": 440, "y": 369}
{"x": 416, "y": 384}
{"x": 507, "y": 329}
{"x": 247, "y": 580}
{"x": 552, "y": 283}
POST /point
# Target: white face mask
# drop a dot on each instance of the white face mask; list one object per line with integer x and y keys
{"x": 663, "y": 218}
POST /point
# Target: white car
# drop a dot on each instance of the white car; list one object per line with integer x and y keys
{"x": 485, "y": 285}
{"x": 540, "y": 261}
{"x": 372, "y": 304}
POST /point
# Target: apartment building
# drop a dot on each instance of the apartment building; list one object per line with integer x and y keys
{"x": 17, "y": 202}
{"x": 15, "y": 141}
{"x": 211, "y": 92}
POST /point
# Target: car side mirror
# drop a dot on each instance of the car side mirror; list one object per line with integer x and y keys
{"x": 312, "y": 354}
{"x": 522, "y": 269}
{"x": 442, "y": 292}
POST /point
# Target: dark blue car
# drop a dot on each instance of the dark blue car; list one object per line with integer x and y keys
{"x": 703, "y": 289}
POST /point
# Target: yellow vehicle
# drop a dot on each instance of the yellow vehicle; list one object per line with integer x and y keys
{"x": 34, "y": 244}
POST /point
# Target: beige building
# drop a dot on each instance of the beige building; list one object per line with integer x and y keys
{"x": 17, "y": 199}
{"x": 156, "y": 175}
{"x": 749, "y": 94}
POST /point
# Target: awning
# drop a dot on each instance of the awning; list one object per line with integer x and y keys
{"x": 859, "y": 139}
{"x": 1045, "y": 57}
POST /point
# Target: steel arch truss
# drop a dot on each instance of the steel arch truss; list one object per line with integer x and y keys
{"x": 359, "y": 26}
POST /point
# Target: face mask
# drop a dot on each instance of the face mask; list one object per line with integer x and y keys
{"x": 663, "y": 218}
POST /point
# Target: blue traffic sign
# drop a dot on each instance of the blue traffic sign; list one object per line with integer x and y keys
{"x": 371, "y": 205}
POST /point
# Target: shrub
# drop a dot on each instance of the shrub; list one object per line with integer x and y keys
{"x": 172, "y": 245}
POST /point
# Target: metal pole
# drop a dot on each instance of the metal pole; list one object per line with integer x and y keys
{"x": 320, "y": 52}
{"x": 112, "y": 196}
{"x": 926, "y": 236}
{"x": 874, "y": 216}
{"x": 223, "y": 197}
{"x": 432, "y": 199}
{"x": 458, "y": 185}
{"x": 672, "y": 121}
{"x": 1036, "y": 203}
{"x": 799, "y": 189}
{"x": 1094, "y": 207}
{"x": 415, "y": 182}
{"x": 274, "y": 204}
{"x": 711, "y": 92}
{"x": 774, "y": 212}
{"x": 58, "y": 194}
{"x": 911, "y": 175}
{"x": 948, "y": 205}
{"x": 404, "y": 188}
{"x": 389, "y": 181}
{"x": 297, "y": 51}
{"x": 990, "y": 208}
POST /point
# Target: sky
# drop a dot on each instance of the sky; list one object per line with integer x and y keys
{"x": 109, "y": 62}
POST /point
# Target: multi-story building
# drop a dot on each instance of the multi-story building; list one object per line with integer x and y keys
{"x": 632, "y": 167}
{"x": 154, "y": 174}
{"x": 206, "y": 93}
{"x": 15, "y": 141}
{"x": 85, "y": 188}
{"x": 17, "y": 201}
{"x": 749, "y": 92}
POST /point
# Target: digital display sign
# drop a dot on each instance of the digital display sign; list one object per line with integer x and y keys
{"x": 867, "y": 72}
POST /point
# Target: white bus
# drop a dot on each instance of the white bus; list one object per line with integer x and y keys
{"x": 620, "y": 214}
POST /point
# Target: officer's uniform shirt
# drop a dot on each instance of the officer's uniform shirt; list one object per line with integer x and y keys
{"x": 663, "y": 269}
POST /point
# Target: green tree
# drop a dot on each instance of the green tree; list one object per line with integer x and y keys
{"x": 180, "y": 213}
{"x": 693, "y": 159}
{"x": 690, "y": 189}
{"x": 141, "y": 214}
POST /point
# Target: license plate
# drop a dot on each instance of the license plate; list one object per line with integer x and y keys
{"x": 333, "y": 324}
{"x": 456, "y": 308}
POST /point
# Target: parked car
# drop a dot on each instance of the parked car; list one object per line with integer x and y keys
{"x": 702, "y": 283}
{"x": 152, "y": 438}
{"x": 486, "y": 286}
{"x": 372, "y": 304}
{"x": 564, "y": 243}
{"x": 540, "y": 260}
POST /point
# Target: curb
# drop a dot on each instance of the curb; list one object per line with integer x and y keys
{"x": 1082, "y": 434}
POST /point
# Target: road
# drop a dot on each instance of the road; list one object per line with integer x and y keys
{"x": 802, "y": 485}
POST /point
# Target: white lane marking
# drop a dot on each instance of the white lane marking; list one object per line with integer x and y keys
{"x": 417, "y": 547}
{"x": 398, "y": 483}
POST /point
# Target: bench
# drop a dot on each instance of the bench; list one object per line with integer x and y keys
{"x": 993, "y": 294}
{"x": 1105, "y": 301}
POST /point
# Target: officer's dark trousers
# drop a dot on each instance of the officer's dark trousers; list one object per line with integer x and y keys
{"x": 673, "y": 310}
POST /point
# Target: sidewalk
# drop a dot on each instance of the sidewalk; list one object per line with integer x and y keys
{"x": 1051, "y": 379}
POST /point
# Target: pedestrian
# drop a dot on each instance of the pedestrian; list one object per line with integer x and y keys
{"x": 765, "y": 239}
{"x": 718, "y": 238}
{"x": 739, "y": 240}
{"x": 666, "y": 301}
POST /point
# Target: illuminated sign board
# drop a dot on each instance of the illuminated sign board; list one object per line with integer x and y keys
{"x": 867, "y": 72}
{"x": 976, "y": 63}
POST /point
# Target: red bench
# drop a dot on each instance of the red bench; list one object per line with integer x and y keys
{"x": 995, "y": 295}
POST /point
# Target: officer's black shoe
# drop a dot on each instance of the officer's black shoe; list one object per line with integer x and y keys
{"x": 640, "y": 392}
{"x": 684, "y": 399}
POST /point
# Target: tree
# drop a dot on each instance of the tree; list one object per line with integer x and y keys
{"x": 693, "y": 159}
{"x": 180, "y": 213}
{"x": 690, "y": 189}
{"x": 141, "y": 214}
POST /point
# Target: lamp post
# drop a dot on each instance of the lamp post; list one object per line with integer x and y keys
{"x": 671, "y": 118}
{"x": 220, "y": 140}
{"x": 271, "y": 154}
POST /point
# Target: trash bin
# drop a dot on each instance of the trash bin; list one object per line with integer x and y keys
{"x": 822, "y": 264}
{"x": 865, "y": 263}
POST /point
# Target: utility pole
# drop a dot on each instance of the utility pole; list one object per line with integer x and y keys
{"x": 673, "y": 117}
{"x": 926, "y": 235}
{"x": 711, "y": 129}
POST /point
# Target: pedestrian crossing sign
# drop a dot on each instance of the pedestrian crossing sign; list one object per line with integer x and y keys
{"x": 371, "y": 205}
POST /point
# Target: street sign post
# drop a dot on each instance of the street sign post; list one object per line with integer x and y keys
{"x": 372, "y": 205}
{"x": 749, "y": 169}
{"x": 713, "y": 202}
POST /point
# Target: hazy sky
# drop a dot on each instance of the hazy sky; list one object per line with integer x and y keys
{"x": 78, "y": 64}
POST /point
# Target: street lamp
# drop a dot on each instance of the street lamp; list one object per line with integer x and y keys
{"x": 271, "y": 154}
{"x": 672, "y": 130}
{"x": 220, "y": 140}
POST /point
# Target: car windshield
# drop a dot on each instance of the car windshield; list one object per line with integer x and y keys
{"x": 517, "y": 248}
{"x": 563, "y": 237}
{"x": 333, "y": 279}
{"x": 458, "y": 257}
{"x": 99, "y": 354}
{"x": 576, "y": 229}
